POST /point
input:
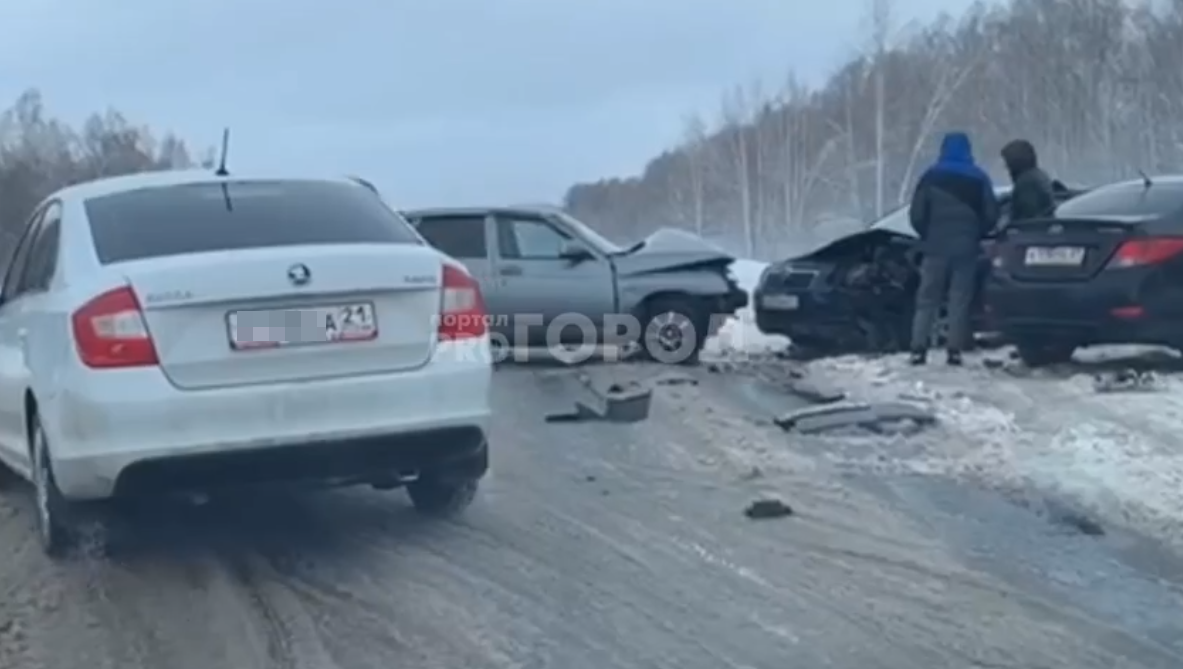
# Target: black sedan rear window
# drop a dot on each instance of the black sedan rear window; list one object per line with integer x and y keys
{"x": 1126, "y": 199}
{"x": 196, "y": 218}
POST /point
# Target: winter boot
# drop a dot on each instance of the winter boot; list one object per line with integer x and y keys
{"x": 953, "y": 358}
{"x": 918, "y": 358}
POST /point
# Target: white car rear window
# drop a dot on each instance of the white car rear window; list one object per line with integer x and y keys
{"x": 197, "y": 218}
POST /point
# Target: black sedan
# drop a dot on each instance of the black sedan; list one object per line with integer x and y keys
{"x": 856, "y": 293}
{"x": 1105, "y": 268}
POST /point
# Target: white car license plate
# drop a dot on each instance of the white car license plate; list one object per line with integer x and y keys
{"x": 786, "y": 302}
{"x": 296, "y": 327}
{"x": 1055, "y": 255}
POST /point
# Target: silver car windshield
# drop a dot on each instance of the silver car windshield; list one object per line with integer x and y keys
{"x": 600, "y": 242}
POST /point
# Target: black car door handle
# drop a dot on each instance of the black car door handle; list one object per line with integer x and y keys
{"x": 512, "y": 270}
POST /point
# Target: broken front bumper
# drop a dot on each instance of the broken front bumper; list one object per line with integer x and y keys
{"x": 726, "y": 306}
{"x": 735, "y": 300}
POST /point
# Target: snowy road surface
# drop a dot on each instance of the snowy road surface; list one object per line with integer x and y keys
{"x": 599, "y": 546}
{"x": 1118, "y": 455}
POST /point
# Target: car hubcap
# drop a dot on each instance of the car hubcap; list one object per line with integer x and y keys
{"x": 669, "y": 335}
{"x": 670, "y": 330}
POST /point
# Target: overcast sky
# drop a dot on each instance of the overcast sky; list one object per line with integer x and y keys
{"x": 437, "y": 101}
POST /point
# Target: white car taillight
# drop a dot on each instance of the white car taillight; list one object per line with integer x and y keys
{"x": 110, "y": 332}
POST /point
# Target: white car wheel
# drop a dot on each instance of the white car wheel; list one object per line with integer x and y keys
{"x": 52, "y": 529}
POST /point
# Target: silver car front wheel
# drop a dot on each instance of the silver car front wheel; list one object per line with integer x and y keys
{"x": 674, "y": 333}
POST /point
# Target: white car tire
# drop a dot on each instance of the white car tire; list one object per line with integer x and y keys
{"x": 53, "y": 529}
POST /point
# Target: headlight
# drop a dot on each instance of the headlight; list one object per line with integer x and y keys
{"x": 772, "y": 270}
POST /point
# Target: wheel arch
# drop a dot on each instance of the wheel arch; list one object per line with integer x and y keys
{"x": 645, "y": 305}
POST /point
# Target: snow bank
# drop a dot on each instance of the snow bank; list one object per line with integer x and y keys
{"x": 1115, "y": 453}
{"x": 740, "y": 334}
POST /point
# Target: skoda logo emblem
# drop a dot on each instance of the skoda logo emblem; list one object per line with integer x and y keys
{"x": 299, "y": 274}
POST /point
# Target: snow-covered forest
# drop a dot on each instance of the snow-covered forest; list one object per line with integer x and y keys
{"x": 39, "y": 154}
{"x": 1096, "y": 84}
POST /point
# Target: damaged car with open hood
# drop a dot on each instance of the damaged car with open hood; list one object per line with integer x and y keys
{"x": 856, "y": 294}
{"x": 547, "y": 278}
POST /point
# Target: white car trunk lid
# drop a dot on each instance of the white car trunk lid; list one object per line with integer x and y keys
{"x": 293, "y": 329}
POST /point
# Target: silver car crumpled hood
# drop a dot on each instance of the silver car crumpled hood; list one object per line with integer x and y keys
{"x": 670, "y": 248}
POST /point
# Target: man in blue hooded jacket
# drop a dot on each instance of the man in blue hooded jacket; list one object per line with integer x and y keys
{"x": 953, "y": 208}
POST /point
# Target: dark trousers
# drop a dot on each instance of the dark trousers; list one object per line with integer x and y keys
{"x": 949, "y": 281}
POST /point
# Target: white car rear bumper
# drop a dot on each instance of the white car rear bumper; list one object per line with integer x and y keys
{"x": 111, "y": 420}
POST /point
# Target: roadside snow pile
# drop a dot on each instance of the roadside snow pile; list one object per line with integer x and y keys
{"x": 740, "y": 334}
{"x": 1115, "y": 454}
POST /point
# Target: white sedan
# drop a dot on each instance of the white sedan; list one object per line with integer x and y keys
{"x": 182, "y": 332}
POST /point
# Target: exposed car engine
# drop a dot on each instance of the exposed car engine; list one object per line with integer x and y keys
{"x": 880, "y": 270}
{"x": 879, "y": 286}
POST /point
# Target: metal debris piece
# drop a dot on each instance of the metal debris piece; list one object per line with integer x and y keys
{"x": 627, "y": 403}
{"x": 838, "y": 415}
{"x": 765, "y": 509}
{"x": 676, "y": 380}
{"x": 825, "y": 410}
{"x": 900, "y": 427}
{"x": 618, "y": 403}
{"x": 582, "y": 413}
{"x": 1126, "y": 380}
{"x": 1019, "y": 370}
{"x": 814, "y": 391}
{"x": 1081, "y": 523}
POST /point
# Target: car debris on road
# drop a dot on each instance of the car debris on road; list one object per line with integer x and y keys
{"x": 1126, "y": 380}
{"x": 814, "y": 391}
{"x": 767, "y": 509}
{"x": 814, "y": 420}
{"x": 618, "y": 403}
{"x": 676, "y": 380}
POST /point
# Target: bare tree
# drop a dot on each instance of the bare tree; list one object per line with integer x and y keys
{"x": 697, "y": 148}
{"x": 736, "y": 116}
{"x": 951, "y": 74}
{"x": 1091, "y": 82}
{"x": 39, "y": 154}
{"x": 881, "y": 33}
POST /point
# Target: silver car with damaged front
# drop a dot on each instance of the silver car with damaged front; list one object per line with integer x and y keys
{"x": 549, "y": 279}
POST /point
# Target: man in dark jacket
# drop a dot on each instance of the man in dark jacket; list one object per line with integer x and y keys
{"x": 953, "y": 208}
{"x": 1032, "y": 196}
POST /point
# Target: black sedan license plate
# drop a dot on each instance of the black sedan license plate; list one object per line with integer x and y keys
{"x": 1054, "y": 256}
